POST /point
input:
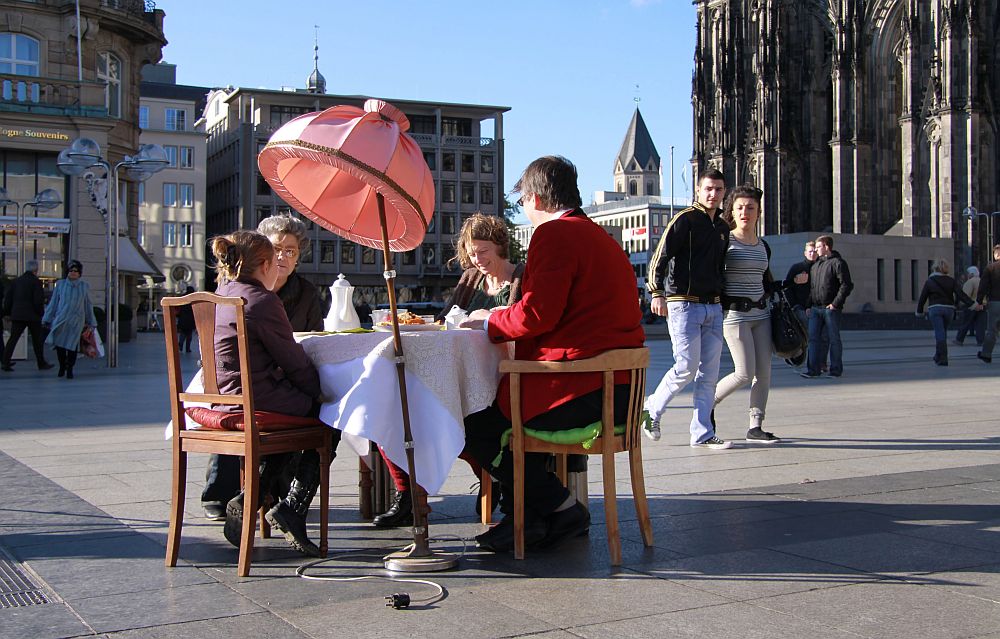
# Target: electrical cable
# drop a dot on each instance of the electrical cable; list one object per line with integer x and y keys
{"x": 399, "y": 600}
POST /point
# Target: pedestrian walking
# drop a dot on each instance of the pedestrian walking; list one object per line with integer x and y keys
{"x": 685, "y": 281}
{"x": 974, "y": 321}
{"x": 941, "y": 293}
{"x": 67, "y": 313}
{"x": 830, "y": 284}
{"x": 24, "y": 303}
{"x": 747, "y": 317}
{"x": 185, "y": 325}
{"x": 989, "y": 295}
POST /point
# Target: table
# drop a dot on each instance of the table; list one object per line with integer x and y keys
{"x": 449, "y": 374}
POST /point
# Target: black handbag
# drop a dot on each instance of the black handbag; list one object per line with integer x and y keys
{"x": 788, "y": 336}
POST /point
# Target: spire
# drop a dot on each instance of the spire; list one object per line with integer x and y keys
{"x": 316, "y": 82}
{"x": 638, "y": 146}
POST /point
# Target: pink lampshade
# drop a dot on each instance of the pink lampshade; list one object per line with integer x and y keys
{"x": 330, "y": 165}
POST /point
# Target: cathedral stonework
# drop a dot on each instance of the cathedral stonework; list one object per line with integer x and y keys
{"x": 857, "y": 116}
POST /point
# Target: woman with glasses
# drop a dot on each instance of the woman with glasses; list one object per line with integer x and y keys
{"x": 302, "y": 306}
{"x": 746, "y": 323}
{"x": 65, "y": 316}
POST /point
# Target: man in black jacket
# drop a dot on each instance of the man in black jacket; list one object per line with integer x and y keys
{"x": 25, "y": 303}
{"x": 685, "y": 281}
{"x": 830, "y": 284}
{"x": 797, "y": 289}
{"x": 988, "y": 297}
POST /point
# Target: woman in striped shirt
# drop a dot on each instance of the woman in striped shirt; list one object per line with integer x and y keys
{"x": 747, "y": 321}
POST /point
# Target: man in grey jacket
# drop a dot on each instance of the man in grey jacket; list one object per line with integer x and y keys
{"x": 830, "y": 284}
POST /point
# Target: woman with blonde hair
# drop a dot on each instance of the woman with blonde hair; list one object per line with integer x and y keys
{"x": 941, "y": 293}
{"x": 283, "y": 378}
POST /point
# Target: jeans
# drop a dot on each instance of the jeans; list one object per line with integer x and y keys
{"x": 940, "y": 316}
{"x": 696, "y": 336}
{"x": 975, "y": 322}
{"x": 824, "y": 338}
{"x": 750, "y": 346}
{"x": 992, "y": 328}
{"x": 821, "y": 317}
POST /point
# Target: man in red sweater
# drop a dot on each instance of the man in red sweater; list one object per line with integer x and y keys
{"x": 579, "y": 299}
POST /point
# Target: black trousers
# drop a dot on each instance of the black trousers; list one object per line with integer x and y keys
{"x": 543, "y": 492}
{"x": 37, "y": 336}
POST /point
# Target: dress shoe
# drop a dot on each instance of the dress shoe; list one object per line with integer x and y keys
{"x": 500, "y": 538}
{"x": 8, "y": 368}
{"x": 214, "y": 510}
{"x": 44, "y": 366}
{"x": 400, "y": 512}
{"x": 565, "y": 524}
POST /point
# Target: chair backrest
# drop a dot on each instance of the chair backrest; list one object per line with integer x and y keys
{"x": 205, "y": 307}
{"x": 633, "y": 360}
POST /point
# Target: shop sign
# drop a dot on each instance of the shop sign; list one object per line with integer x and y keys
{"x": 10, "y": 133}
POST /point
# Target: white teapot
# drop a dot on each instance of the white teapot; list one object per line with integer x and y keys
{"x": 342, "y": 315}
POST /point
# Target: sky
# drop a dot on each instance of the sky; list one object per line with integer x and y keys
{"x": 570, "y": 70}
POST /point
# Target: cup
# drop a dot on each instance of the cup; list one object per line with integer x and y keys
{"x": 380, "y": 315}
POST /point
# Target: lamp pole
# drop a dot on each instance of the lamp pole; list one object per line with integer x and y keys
{"x": 44, "y": 200}
{"x": 84, "y": 154}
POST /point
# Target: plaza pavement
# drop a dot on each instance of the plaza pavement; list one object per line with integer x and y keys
{"x": 877, "y": 516}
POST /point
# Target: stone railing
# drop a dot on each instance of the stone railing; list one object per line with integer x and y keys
{"x": 143, "y": 9}
{"x": 458, "y": 140}
{"x": 39, "y": 93}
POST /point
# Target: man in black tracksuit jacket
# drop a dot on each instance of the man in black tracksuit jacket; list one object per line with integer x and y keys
{"x": 830, "y": 284}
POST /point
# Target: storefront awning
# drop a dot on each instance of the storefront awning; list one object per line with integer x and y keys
{"x": 132, "y": 259}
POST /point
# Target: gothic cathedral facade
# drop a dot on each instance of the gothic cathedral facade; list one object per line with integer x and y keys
{"x": 855, "y": 116}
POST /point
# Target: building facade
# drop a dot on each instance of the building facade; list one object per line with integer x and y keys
{"x": 171, "y": 227}
{"x": 54, "y": 88}
{"x": 867, "y": 117}
{"x": 462, "y": 144}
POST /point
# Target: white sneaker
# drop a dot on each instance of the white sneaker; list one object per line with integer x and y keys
{"x": 651, "y": 427}
{"x": 714, "y": 443}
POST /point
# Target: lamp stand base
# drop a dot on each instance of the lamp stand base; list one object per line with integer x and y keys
{"x": 403, "y": 561}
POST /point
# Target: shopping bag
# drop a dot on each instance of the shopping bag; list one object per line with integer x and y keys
{"x": 90, "y": 343}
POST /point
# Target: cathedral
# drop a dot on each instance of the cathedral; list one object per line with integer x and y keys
{"x": 875, "y": 117}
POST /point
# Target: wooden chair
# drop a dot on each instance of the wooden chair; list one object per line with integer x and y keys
{"x": 283, "y": 433}
{"x": 634, "y": 360}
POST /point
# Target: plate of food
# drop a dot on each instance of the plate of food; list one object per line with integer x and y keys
{"x": 409, "y": 322}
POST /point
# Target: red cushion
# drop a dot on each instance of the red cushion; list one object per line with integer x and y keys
{"x": 266, "y": 421}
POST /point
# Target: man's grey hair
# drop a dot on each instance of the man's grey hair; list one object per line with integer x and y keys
{"x": 285, "y": 224}
{"x": 31, "y": 265}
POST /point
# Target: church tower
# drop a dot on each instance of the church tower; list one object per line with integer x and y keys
{"x": 858, "y": 116}
{"x": 637, "y": 167}
{"x": 316, "y": 82}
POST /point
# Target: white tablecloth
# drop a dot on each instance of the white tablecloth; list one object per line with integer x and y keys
{"x": 449, "y": 374}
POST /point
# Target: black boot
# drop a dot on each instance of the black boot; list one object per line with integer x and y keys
{"x": 61, "y": 355}
{"x": 289, "y": 516}
{"x": 270, "y": 467}
{"x": 941, "y": 353}
{"x": 400, "y": 512}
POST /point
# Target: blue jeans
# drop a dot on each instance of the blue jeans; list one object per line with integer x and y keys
{"x": 975, "y": 322}
{"x": 940, "y": 316}
{"x": 696, "y": 336}
{"x": 821, "y": 317}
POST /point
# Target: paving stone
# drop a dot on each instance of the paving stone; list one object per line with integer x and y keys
{"x": 261, "y": 624}
{"x": 45, "y": 621}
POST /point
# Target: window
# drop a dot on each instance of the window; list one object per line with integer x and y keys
{"x": 140, "y": 236}
{"x": 263, "y": 188}
{"x": 897, "y": 276}
{"x": 430, "y": 254}
{"x": 486, "y": 193}
{"x": 18, "y": 54}
{"x": 109, "y": 69}
{"x": 448, "y": 224}
{"x": 468, "y": 163}
{"x": 485, "y": 163}
{"x": 468, "y": 193}
{"x": 169, "y": 195}
{"x": 431, "y": 159}
{"x": 347, "y": 252}
{"x": 633, "y": 188}
{"x": 367, "y": 255}
{"x": 187, "y": 195}
{"x": 144, "y": 117}
{"x": 880, "y": 279}
{"x": 187, "y": 157}
{"x": 448, "y": 162}
{"x": 456, "y": 126}
{"x": 426, "y": 124}
{"x": 175, "y": 119}
{"x": 171, "y": 152}
{"x": 448, "y": 192}
{"x": 410, "y": 258}
{"x": 187, "y": 234}
{"x": 142, "y": 192}
{"x": 169, "y": 234}
{"x": 282, "y": 113}
{"x": 447, "y": 257}
{"x": 649, "y": 187}
{"x": 327, "y": 252}
{"x": 262, "y": 212}
{"x": 914, "y": 280}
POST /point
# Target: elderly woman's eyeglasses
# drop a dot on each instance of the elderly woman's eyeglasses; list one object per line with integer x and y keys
{"x": 287, "y": 253}
{"x": 74, "y": 270}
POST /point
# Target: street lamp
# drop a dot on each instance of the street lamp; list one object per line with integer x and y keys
{"x": 74, "y": 160}
{"x": 45, "y": 200}
{"x": 971, "y": 213}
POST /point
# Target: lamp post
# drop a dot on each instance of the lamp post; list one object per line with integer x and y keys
{"x": 84, "y": 154}
{"x": 45, "y": 200}
{"x": 971, "y": 213}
